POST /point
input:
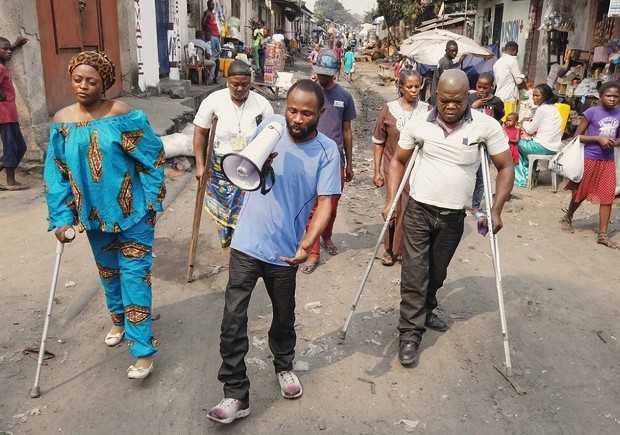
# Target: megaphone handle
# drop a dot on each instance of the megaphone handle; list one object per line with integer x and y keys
{"x": 267, "y": 172}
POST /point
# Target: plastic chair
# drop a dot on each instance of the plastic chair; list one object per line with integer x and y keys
{"x": 189, "y": 66}
{"x": 532, "y": 175}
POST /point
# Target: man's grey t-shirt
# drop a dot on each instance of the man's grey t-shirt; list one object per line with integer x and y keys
{"x": 339, "y": 108}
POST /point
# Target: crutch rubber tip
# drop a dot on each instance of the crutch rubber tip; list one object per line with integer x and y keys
{"x": 342, "y": 335}
{"x": 35, "y": 392}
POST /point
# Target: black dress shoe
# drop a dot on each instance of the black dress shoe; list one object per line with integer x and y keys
{"x": 408, "y": 353}
{"x": 434, "y": 322}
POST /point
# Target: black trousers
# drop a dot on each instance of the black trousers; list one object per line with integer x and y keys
{"x": 431, "y": 236}
{"x": 280, "y": 281}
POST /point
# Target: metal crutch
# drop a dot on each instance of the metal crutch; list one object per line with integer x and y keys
{"x": 69, "y": 235}
{"x": 418, "y": 145}
{"x": 488, "y": 199}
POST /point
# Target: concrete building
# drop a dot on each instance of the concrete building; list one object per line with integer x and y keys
{"x": 540, "y": 42}
{"x": 143, "y": 37}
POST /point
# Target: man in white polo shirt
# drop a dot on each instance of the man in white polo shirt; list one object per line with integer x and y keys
{"x": 441, "y": 187}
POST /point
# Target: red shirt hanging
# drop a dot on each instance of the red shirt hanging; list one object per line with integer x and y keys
{"x": 8, "y": 109}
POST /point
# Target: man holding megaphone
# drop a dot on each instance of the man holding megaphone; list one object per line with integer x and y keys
{"x": 271, "y": 241}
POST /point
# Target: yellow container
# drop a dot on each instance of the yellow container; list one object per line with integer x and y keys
{"x": 224, "y": 65}
{"x": 510, "y": 107}
{"x": 564, "y": 110}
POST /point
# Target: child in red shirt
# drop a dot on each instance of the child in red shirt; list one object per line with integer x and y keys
{"x": 14, "y": 145}
{"x": 513, "y": 132}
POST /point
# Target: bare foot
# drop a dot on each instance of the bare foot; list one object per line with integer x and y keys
{"x": 116, "y": 329}
{"x": 388, "y": 259}
{"x": 144, "y": 363}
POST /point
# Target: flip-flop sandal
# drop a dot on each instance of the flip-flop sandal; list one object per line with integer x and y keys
{"x": 330, "y": 248}
{"x": 308, "y": 268}
{"x": 14, "y": 187}
{"x": 566, "y": 224}
{"x": 388, "y": 260}
{"x": 602, "y": 239}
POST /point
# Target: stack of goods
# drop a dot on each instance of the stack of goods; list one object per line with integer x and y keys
{"x": 275, "y": 56}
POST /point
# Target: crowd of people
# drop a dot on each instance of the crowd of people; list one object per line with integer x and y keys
{"x": 104, "y": 175}
{"x": 541, "y": 132}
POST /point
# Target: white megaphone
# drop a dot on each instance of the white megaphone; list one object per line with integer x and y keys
{"x": 245, "y": 169}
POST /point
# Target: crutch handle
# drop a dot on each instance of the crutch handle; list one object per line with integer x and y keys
{"x": 70, "y": 233}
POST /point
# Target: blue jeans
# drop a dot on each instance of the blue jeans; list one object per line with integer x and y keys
{"x": 124, "y": 261}
{"x": 478, "y": 190}
{"x": 13, "y": 143}
{"x": 216, "y": 47}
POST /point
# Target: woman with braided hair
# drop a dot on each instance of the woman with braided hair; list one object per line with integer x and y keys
{"x": 103, "y": 173}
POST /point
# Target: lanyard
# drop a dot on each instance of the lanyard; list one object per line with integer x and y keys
{"x": 239, "y": 116}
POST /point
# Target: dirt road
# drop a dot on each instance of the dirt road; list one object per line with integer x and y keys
{"x": 562, "y": 302}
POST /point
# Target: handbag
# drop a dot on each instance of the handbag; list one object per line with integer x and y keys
{"x": 568, "y": 162}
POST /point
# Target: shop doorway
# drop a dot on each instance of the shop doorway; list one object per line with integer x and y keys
{"x": 162, "y": 13}
{"x": 497, "y": 24}
{"x": 68, "y": 28}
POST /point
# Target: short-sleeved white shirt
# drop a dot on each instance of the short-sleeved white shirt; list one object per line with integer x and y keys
{"x": 232, "y": 120}
{"x": 507, "y": 78}
{"x": 444, "y": 174}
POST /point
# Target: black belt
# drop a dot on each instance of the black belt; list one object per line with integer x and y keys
{"x": 440, "y": 210}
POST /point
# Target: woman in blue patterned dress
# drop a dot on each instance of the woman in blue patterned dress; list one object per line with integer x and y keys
{"x": 103, "y": 173}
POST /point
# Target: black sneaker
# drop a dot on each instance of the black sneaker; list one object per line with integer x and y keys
{"x": 433, "y": 321}
{"x": 408, "y": 353}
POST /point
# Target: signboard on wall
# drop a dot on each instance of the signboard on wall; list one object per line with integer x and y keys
{"x": 614, "y": 8}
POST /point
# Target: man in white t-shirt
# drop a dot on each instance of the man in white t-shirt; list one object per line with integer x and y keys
{"x": 508, "y": 76}
{"x": 239, "y": 112}
{"x": 441, "y": 187}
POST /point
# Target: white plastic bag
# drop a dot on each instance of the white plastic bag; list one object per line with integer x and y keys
{"x": 177, "y": 144}
{"x": 568, "y": 162}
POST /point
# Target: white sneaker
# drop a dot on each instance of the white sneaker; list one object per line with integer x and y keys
{"x": 229, "y": 410}
{"x": 290, "y": 387}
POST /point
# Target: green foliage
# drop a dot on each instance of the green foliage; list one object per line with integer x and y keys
{"x": 334, "y": 10}
{"x": 370, "y": 15}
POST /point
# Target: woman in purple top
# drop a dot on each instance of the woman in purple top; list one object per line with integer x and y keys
{"x": 599, "y": 132}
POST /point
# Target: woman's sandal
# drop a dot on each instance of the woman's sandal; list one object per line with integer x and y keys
{"x": 388, "y": 260}
{"x": 330, "y": 247}
{"x": 566, "y": 224}
{"x": 309, "y": 267}
{"x": 602, "y": 239}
